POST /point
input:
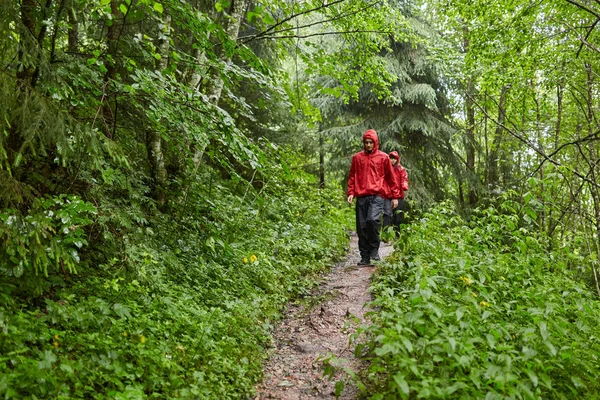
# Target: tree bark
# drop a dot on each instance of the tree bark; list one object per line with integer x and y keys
{"x": 214, "y": 87}
{"x": 237, "y": 10}
{"x": 108, "y": 102}
{"x": 154, "y": 143}
{"x": 321, "y": 158}
{"x": 470, "y": 141}
{"x": 470, "y": 128}
{"x": 73, "y": 30}
{"x": 496, "y": 151}
{"x": 593, "y": 162}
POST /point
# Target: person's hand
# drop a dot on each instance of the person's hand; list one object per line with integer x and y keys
{"x": 394, "y": 203}
{"x": 350, "y": 198}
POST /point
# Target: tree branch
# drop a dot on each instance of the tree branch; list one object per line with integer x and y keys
{"x": 269, "y": 31}
{"x": 341, "y": 16}
{"x": 531, "y": 145}
{"x": 583, "y": 7}
{"x": 587, "y": 36}
{"x": 319, "y": 34}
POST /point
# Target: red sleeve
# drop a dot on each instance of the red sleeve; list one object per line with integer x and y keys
{"x": 404, "y": 179}
{"x": 351, "y": 177}
{"x": 392, "y": 180}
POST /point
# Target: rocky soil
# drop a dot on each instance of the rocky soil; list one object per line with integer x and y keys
{"x": 318, "y": 328}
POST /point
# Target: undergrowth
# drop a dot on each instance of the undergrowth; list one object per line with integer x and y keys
{"x": 152, "y": 305}
{"x": 481, "y": 310}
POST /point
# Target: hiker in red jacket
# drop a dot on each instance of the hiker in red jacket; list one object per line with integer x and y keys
{"x": 370, "y": 175}
{"x": 395, "y": 216}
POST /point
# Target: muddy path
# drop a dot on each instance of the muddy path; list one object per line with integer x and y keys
{"x": 318, "y": 328}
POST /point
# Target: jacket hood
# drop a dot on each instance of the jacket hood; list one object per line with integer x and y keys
{"x": 395, "y": 155}
{"x": 371, "y": 134}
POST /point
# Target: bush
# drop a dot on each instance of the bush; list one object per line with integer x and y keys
{"x": 481, "y": 310}
{"x": 176, "y": 306}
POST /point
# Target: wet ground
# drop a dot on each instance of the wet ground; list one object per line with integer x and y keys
{"x": 317, "y": 329}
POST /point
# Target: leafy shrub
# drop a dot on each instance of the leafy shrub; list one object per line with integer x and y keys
{"x": 50, "y": 236}
{"x": 169, "y": 306}
{"x": 481, "y": 310}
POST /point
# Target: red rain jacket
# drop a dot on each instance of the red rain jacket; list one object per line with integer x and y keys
{"x": 401, "y": 177}
{"x": 371, "y": 173}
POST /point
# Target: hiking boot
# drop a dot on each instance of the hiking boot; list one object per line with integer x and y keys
{"x": 363, "y": 262}
{"x": 375, "y": 256}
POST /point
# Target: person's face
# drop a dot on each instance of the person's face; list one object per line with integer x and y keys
{"x": 369, "y": 145}
{"x": 394, "y": 161}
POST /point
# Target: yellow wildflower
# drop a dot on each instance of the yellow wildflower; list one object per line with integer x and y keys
{"x": 253, "y": 258}
{"x": 245, "y": 260}
{"x": 484, "y": 303}
{"x": 55, "y": 344}
{"x": 466, "y": 280}
{"x": 56, "y": 336}
{"x": 125, "y": 334}
{"x": 143, "y": 339}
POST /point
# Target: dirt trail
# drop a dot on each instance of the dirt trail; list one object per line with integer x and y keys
{"x": 307, "y": 334}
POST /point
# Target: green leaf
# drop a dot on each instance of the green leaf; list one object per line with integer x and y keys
{"x": 543, "y": 330}
{"x": 459, "y": 313}
{"x": 123, "y": 8}
{"x": 532, "y": 376}
{"x": 339, "y": 388}
{"x": 49, "y": 359}
{"x": 402, "y": 384}
{"x": 158, "y": 7}
{"x": 550, "y": 347}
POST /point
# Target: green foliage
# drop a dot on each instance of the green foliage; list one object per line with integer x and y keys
{"x": 481, "y": 310}
{"x": 47, "y": 239}
{"x": 168, "y": 307}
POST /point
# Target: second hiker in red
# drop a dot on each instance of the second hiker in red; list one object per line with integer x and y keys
{"x": 394, "y": 216}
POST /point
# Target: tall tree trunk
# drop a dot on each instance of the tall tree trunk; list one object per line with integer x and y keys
{"x": 496, "y": 151}
{"x": 553, "y": 223}
{"x": 540, "y": 144}
{"x": 109, "y": 105}
{"x": 559, "y": 112}
{"x": 470, "y": 128}
{"x": 27, "y": 71}
{"x": 73, "y": 30}
{"x": 237, "y": 10}
{"x": 470, "y": 141}
{"x": 321, "y": 158}
{"x": 154, "y": 143}
{"x": 592, "y": 148}
{"x": 214, "y": 87}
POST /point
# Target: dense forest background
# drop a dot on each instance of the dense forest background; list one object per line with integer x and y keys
{"x": 172, "y": 172}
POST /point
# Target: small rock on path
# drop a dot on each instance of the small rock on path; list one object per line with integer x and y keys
{"x": 294, "y": 370}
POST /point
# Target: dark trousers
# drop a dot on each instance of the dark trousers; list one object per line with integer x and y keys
{"x": 393, "y": 217}
{"x": 368, "y": 215}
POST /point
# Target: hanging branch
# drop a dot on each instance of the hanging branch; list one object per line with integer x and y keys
{"x": 321, "y": 34}
{"x": 271, "y": 32}
{"x": 283, "y": 21}
{"x": 583, "y": 40}
{"x": 533, "y": 146}
{"x": 341, "y": 16}
{"x": 587, "y": 37}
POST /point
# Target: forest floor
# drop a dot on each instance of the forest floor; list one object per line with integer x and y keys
{"x": 316, "y": 328}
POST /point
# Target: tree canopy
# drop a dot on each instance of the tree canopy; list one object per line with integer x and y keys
{"x": 173, "y": 171}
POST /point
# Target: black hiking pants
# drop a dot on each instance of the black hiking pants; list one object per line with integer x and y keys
{"x": 393, "y": 216}
{"x": 368, "y": 220}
